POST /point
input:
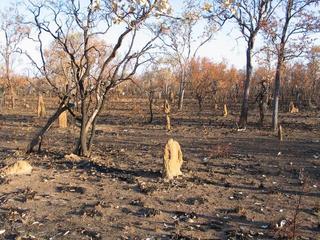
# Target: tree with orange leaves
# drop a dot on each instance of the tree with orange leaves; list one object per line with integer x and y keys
{"x": 202, "y": 79}
{"x": 212, "y": 79}
{"x": 289, "y": 32}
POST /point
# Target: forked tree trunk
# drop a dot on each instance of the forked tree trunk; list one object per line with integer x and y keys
{"x": 88, "y": 125}
{"x": 87, "y": 132}
{"x": 39, "y": 136}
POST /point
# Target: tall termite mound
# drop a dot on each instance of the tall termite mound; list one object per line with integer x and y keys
{"x": 171, "y": 97}
{"x": 172, "y": 159}
{"x": 293, "y": 108}
{"x": 225, "y": 110}
{"x": 63, "y": 120}
{"x": 41, "y": 106}
{"x": 167, "y": 110}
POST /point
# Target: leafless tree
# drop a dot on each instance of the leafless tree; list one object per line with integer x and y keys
{"x": 90, "y": 80}
{"x": 288, "y": 30}
{"x": 314, "y": 75}
{"x": 13, "y": 33}
{"x": 250, "y": 16}
{"x": 182, "y": 40}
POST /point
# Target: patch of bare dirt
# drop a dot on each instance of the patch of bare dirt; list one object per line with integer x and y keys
{"x": 236, "y": 185}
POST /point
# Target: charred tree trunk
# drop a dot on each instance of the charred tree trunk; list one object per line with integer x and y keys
{"x": 88, "y": 126}
{"x": 262, "y": 112}
{"x": 245, "y": 102}
{"x": 9, "y": 83}
{"x": 182, "y": 90}
{"x": 200, "y": 100}
{"x": 82, "y": 147}
{"x": 181, "y": 96}
{"x": 12, "y": 93}
{"x": 39, "y": 136}
{"x": 92, "y": 135}
{"x": 151, "y": 100}
{"x": 281, "y": 58}
{"x": 276, "y": 97}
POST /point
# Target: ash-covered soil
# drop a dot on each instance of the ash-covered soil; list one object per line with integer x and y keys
{"x": 236, "y": 185}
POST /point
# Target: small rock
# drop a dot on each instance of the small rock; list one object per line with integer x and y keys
{"x": 149, "y": 212}
{"x": 281, "y": 223}
{"x": 195, "y": 200}
{"x": 185, "y": 217}
{"x": 216, "y": 225}
{"x": 137, "y": 202}
{"x": 205, "y": 160}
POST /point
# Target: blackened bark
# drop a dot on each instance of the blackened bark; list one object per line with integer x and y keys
{"x": 37, "y": 138}
{"x": 245, "y": 102}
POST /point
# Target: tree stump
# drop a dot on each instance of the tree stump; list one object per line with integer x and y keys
{"x": 41, "y": 107}
{"x": 225, "y": 110}
{"x": 63, "y": 120}
{"x": 172, "y": 159}
{"x": 167, "y": 110}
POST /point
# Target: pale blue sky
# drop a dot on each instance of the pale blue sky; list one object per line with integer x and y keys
{"x": 227, "y": 44}
{"x": 224, "y": 46}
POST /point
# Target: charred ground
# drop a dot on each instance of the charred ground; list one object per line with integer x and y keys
{"x": 237, "y": 185}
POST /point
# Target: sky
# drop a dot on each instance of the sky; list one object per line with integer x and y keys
{"x": 227, "y": 44}
{"x": 224, "y": 45}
